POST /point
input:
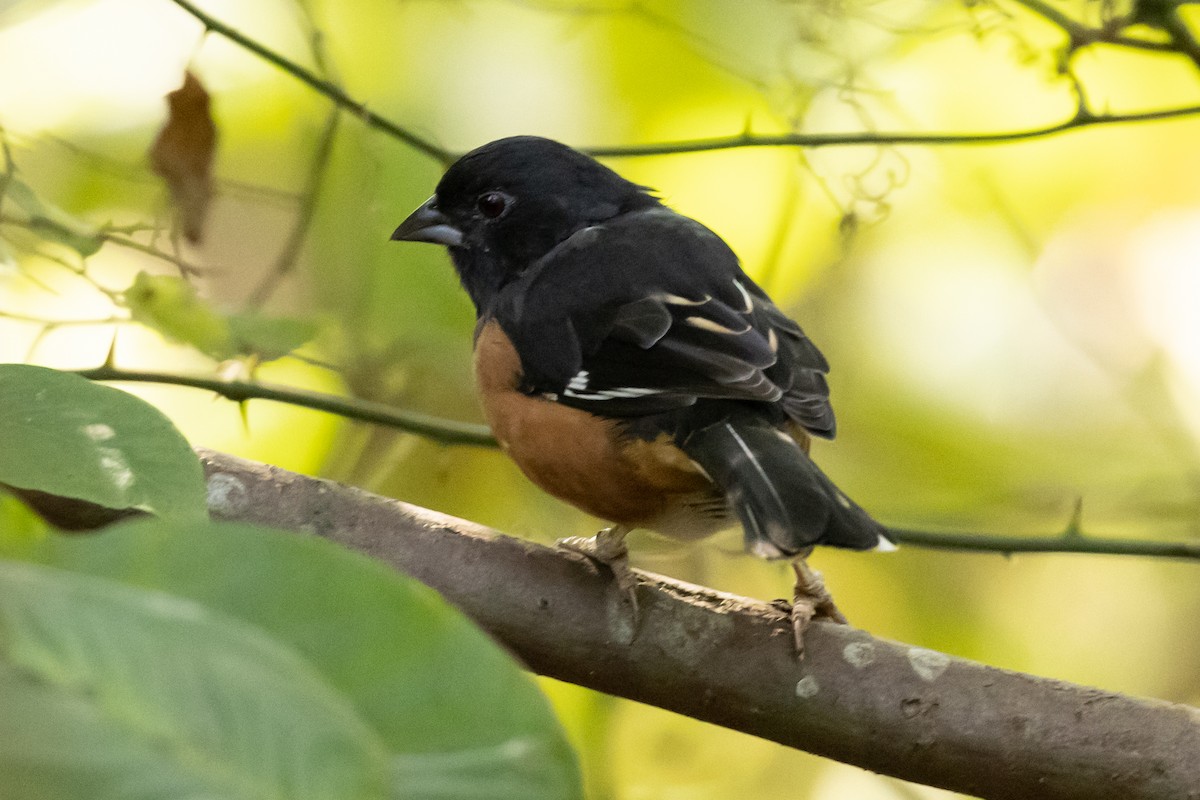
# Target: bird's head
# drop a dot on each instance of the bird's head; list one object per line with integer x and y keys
{"x": 504, "y": 205}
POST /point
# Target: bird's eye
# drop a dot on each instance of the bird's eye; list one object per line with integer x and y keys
{"x": 492, "y": 204}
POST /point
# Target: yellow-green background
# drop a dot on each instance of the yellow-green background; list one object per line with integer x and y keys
{"x": 1011, "y": 327}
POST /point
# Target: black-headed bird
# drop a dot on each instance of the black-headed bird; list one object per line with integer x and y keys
{"x": 630, "y": 367}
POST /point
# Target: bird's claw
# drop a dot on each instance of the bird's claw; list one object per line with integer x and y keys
{"x": 608, "y": 549}
{"x": 812, "y": 601}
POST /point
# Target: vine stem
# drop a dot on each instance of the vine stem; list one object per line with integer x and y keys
{"x": 1081, "y": 119}
{"x": 464, "y": 433}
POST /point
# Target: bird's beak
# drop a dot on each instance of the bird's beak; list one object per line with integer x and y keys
{"x": 427, "y": 224}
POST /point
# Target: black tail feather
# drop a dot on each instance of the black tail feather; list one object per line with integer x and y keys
{"x": 784, "y": 501}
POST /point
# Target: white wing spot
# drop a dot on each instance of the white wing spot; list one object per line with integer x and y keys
{"x": 807, "y": 687}
{"x": 749, "y": 301}
{"x": 676, "y": 300}
{"x": 765, "y": 550}
{"x": 749, "y": 454}
{"x": 772, "y": 341}
{"x": 843, "y": 500}
{"x": 629, "y": 391}
{"x": 705, "y": 324}
{"x": 623, "y": 392}
{"x": 928, "y": 664}
{"x": 580, "y": 381}
{"x": 581, "y": 238}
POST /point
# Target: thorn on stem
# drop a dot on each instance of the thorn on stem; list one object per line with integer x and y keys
{"x": 110, "y": 360}
{"x": 1074, "y": 529}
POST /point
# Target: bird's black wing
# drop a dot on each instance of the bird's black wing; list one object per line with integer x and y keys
{"x": 649, "y": 312}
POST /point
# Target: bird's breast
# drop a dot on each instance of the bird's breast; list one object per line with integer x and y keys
{"x": 587, "y": 460}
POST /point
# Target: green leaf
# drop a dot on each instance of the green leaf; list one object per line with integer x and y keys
{"x": 52, "y": 222}
{"x": 107, "y": 691}
{"x": 19, "y": 525}
{"x": 463, "y": 718}
{"x": 171, "y": 306}
{"x": 269, "y": 338}
{"x": 67, "y": 436}
{"x": 514, "y": 770}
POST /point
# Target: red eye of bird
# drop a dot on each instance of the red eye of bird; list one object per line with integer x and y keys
{"x": 492, "y": 204}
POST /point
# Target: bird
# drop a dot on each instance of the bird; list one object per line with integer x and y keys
{"x": 630, "y": 367}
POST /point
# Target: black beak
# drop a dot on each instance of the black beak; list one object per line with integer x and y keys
{"x": 427, "y": 224}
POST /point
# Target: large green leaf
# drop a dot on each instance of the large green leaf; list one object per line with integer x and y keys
{"x": 110, "y": 691}
{"x": 67, "y": 436}
{"x": 463, "y": 719}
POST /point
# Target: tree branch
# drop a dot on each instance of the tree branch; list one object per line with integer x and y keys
{"x": 889, "y": 707}
{"x": 885, "y": 706}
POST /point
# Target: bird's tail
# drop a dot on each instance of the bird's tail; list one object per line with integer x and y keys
{"x": 785, "y": 503}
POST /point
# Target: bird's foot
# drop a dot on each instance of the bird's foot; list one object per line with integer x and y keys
{"x": 608, "y": 548}
{"x": 812, "y": 601}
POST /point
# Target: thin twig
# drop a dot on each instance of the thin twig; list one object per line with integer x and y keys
{"x": 1062, "y": 543}
{"x": 59, "y": 323}
{"x": 10, "y": 169}
{"x": 440, "y": 430}
{"x": 1182, "y": 38}
{"x": 185, "y": 267}
{"x": 325, "y": 87}
{"x": 318, "y": 168}
{"x": 444, "y": 156}
{"x": 135, "y": 173}
{"x": 1081, "y": 35}
{"x": 104, "y": 235}
{"x": 453, "y": 432}
{"x": 813, "y": 140}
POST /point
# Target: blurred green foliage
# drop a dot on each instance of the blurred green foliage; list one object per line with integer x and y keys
{"x": 175, "y": 656}
{"x": 1011, "y": 327}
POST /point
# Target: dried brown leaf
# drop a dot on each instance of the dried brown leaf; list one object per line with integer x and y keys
{"x": 183, "y": 155}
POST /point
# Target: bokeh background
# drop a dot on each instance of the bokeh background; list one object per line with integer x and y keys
{"x": 1014, "y": 328}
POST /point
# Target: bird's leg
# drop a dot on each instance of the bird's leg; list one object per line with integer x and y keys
{"x": 812, "y": 601}
{"x": 608, "y": 548}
